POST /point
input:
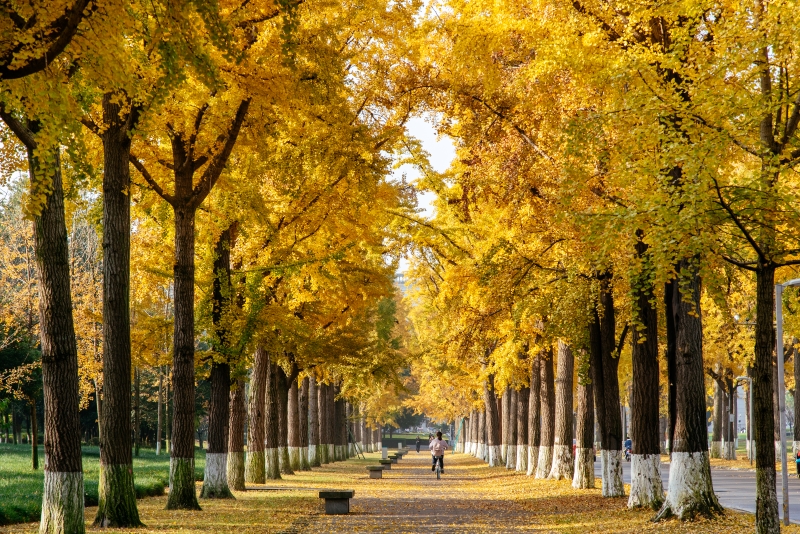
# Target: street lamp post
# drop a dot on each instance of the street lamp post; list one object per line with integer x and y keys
{"x": 750, "y": 449}
{"x": 782, "y": 390}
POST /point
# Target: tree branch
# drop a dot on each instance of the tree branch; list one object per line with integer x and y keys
{"x": 20, "y": 130}
{"x": 150, "y": 181}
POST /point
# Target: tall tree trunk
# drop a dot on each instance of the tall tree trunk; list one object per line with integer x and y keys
{"x": 323, "y": 423}
{"x": 584, "y": 432}
{"x": 273, "y": 424}
{"x": 117, "y": 496}
{"x": 646, "y": 486}
{"x": 796, "y": 429}
{"x": 523, "y": 399}
{"x": 314, "y": 449}
{"x": 303, "y": 424}
{"x": 62, "y": 499}
{"x": 215, "y": 481}
{"x": 511, "y": 449}
{"x": 160, "y": 410}
{"x": 505, "y": 412}
{"x": 236, "y": 413}
{"x": 547, "y": 392}
{"x": 672, "y": 364}
{"x": 330, "y": 406}
{"x": 763, "y": 405}
{"x": 562, "y": 449}
{"x": 690, "y": 488}
{"x": 282, "y": 383}
{"x": 534, "y": 415}
{"x": 482, "y": 434}
{"x": 182, "y": 494}
{"x": 612, "y": 431}
{"x": 294, "y": 427}
{"x": 729, "y": 451}
{"x": 492, "y": 422}
{"x": 717, "y": 416}
{"x": 255, "y": 470}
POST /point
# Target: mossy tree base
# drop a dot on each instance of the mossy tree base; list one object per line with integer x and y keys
{"x": 236, "y": 471}
{"x": 273, "y": 471}
{"x": 117, "y": 498}
{"x": 182, "y": 494}
{"x": 255, "y": 472}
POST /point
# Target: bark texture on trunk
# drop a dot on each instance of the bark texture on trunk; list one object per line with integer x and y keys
{"x": 182, "y": 494}
{"x": 646, "y": 487}
{"x": 716, "y": 427}
{"x": 116, "y": 493}
{"x": 523, "y": 400}
{"x": 562, "y": 467}
{"x": 505, "y": 425}
{"x": 690, "y": 488}
{"x": 612, "y": 421}
{"x": 303, "y": 424}
{"x": 324, "y": 423}
{"x": 272, "y": 426}
{"x": 255, "y": 471}
{"x": 313, "y": 423}
{"x": 330, "y": 407}
{"x": 763, "y": 408}
{"x": 534, "y": 415}
{"x": 293, "y": 408}
{"x": 548, "y": 413}
{"x": 62, "y": 499}
{"x": 584, "y": 435}
{"x": 282, "y": 383}
{"x": 492, "y": 422}
{"x": 237, "y": 413}
{"x": 511, "y": 446}
{"x": 482, "y": 435}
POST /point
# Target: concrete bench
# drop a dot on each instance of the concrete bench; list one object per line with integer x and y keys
{"x": 386, "y": 464}
{"x": 375, "y": 471}
{"x": 393, "y": 458}
{"x": 337, "y": 502}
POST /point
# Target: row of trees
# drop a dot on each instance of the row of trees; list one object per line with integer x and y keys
{"x": 208, "y": 190}
{"x": 624, "y": 188}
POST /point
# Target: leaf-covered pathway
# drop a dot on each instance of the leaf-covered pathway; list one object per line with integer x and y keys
{"x": 471, "y": 497}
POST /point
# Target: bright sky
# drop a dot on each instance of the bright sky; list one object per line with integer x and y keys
{"x": 441, "y": 151}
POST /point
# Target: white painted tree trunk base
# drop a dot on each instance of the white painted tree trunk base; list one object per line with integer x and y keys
{"x": 777, "y": 450}
{"x": 480, "y": 452}
{"x": 331, "y": 452}
{"x": 215, "y": 477}
{"x": 503, "y": 453}
{"x": 533, "y": 460}
{"x": 522, "y": 458}
{"x": 647, "y": 490}
{"x": 235, "y": 470}
{"x": 584, "y": 469}
{"x": 158, "y": 448}
{"x": 545, "y": 462}
{"x": 511, "y": 457}
{"x": 612, "y": 474}
{"x": 313, "y": 459}
{"x": 494, "y": 456}
{"x": 62, "y": 504}
{"x": 690, "y": 489}
{"x": 729, "y": 450}
{"x": 716, "y": 449}
{"x": 305, "y": 463}
{"x": 562, "y": 465}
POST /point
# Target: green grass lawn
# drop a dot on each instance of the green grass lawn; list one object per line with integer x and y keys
{"x": 21, "y": 487}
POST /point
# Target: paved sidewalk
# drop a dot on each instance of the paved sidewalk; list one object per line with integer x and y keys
{"x": 735, "y": 489}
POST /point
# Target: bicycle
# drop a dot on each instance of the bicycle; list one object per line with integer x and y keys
{"x": 438, "y": 469}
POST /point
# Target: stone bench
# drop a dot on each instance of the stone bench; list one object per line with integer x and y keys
{"x": 375, "y": 471}
{"x": 337, "y": 502}
{"x": 386, "y": 464}
{"x": 393, "y": 458}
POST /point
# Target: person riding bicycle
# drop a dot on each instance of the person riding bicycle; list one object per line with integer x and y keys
{"x": 628, "y": 447}
{"x": 418, "y": 443}
{"x": 437, "y": 447}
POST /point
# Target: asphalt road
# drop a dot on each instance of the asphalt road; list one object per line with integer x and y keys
{"x": 735, "y": 489}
